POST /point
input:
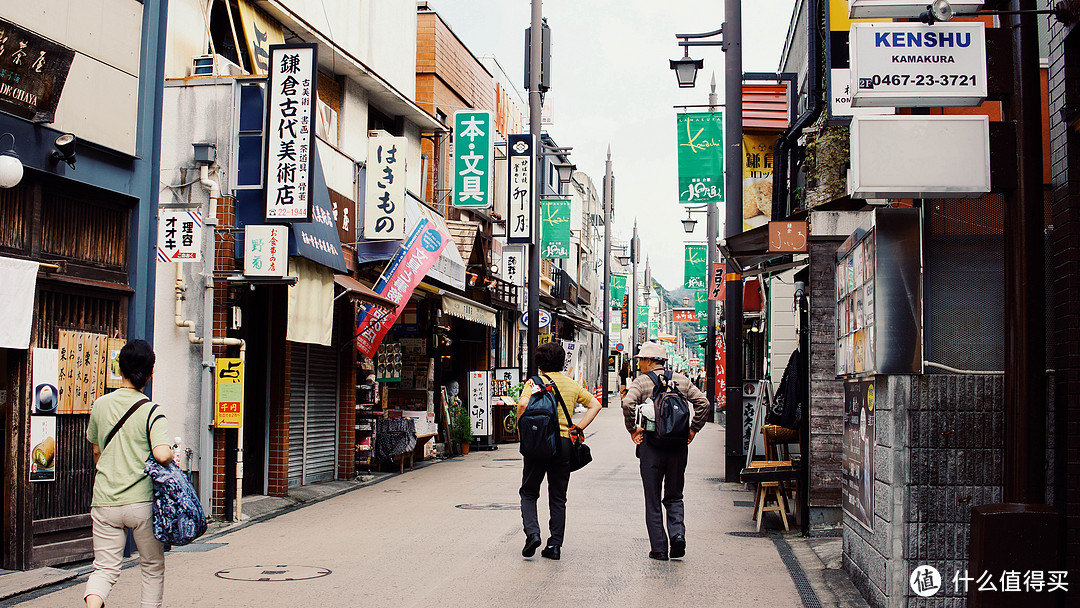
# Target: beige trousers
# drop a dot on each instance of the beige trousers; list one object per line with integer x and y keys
{"x": 109, "y": 540}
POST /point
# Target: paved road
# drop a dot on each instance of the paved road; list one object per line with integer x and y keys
{"x": 450, "y": 534}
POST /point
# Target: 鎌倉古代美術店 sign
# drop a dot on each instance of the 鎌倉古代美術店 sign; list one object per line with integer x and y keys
{"x": 290, "y": 132}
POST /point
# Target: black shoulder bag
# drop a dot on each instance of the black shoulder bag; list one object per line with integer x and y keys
{"x": 580, "y": 454}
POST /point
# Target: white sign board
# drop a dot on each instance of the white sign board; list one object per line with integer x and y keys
{"x": 840, "y": 97}
{"x": 266, "y": 251}
{"x": 384, "y": 195}
{"x": 290, "y": 132}
{"x": 179, "y": 235}
{"x": 919, "y": 156}
{"x": 514, "y": 266}
{"x": 918, "y": 65}
{"x": 519, "y": 201}
{"x": 480, "y": 402}
{"x": 903, "y": 8}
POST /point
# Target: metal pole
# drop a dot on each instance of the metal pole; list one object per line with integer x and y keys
{"x": 608, "y": 195}
{"x": 537, "y": 182}
{"x": 634, "y": 297}
{"x": 1025, "y": 314}
{"x": 712, "y": 229}
{"x": 733, "y": 226}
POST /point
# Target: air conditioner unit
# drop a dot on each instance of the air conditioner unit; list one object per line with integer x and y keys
{"x": 214, "y": 65}
{"x": 378, "y": 133}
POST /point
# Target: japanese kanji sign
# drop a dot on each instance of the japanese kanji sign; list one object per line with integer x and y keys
{"x": 179, "y": 235}
{"x": 33, "y": 71}
{"x": 472, "y": 158}
{"x": 683, "y": 315}
{"x": 410, "y": 264}
{"x": 480, "y": 402}
{"x": 384, "y": 206}
{"x": 717, "y": 282}
{"x": 618, "y": 290}
{"x": 290, "y": 132}
{"x": 694, "y": 271}
{"x": 265, "y": 251}
{"x": 555, "y": 229}
{"x": 519, "y": 149}
{"x": 701, "y": 157}
{"x": 83, "y": 362}
{"x": 788, "y": 237}
{"x": 229, "y": 393}
{"x": 757, "y": 176}
{"x": 514, "y": 266}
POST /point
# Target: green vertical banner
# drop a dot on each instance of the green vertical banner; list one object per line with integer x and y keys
{"x": 694, "y": 272}
{"x": 701, "y": 300}
{"x": 618, "y": 289}
{"x": 701, "y": 157}
{"x": 555, "y": 229}
{"x": 473, "y": 142}
{"x": 654, "y": 328}
{"x": 642, "y": 317}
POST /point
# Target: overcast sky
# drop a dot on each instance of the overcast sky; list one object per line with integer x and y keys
{"x": 610, "y": 84}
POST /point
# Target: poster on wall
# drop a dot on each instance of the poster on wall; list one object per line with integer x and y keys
{"x": 42, "y": 448}
{"x": 857, "y": 479}
{"x": 45, "y": 379}
{"x": 229, "y": 393}
{"x": 113, "y": 377}
{"x": 480, "y": 402}
{"x": 757, "y": 176}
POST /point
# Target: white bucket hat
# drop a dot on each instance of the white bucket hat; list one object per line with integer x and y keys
{"x": 652, "y": 350}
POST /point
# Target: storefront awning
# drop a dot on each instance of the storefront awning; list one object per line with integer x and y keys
{"x": 464, "y": 308}
{"x": 449, "y": 269}
{"x": 362, "y": 293}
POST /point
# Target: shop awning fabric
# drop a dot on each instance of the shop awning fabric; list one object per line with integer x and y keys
{"x": 464, "y": 308}
{"x": 18, "y": 281}
{"x": 362, "y": 293}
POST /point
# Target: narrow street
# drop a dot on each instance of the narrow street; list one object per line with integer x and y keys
{"x": 450, "y": 532}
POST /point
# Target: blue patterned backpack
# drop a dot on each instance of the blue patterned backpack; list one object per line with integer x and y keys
{"x": 178, "y": 515}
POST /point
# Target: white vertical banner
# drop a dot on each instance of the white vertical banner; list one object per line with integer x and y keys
{"x": 290, "y": 131}
{"x": 514, "y": 266}
{"x": 519, "y": 198}
{"x": 480, "y": 402}
{"x": 384, "y": 196}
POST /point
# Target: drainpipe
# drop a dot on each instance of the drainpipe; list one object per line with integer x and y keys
{"x": 786, "y": 144}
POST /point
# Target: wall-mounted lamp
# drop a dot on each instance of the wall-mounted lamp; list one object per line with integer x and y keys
{"x": 65, "y": 149}
{"x": 756, "y": 326}
{"x": 11, "y": 168}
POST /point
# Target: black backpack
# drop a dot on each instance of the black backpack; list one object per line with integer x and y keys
{"x": 538, "y": 425}
{"x": 672, "y": 414}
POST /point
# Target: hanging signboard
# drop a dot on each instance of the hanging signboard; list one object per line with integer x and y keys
{"x": 838, "y": 66}
{"x": 701, "y": 157}
{"x": 543, "y": 315}
{"x": 720, "y": 361}
{"x": 757, "y": 183}
{"x": 555, "y": 229}
{"x": 684, "y": 315}
{"x": 642, "y": 317}
{"x": 514, "y": 266}
{"x": 717, "y": 282}
{"x": 701, "y": 305}
{"x": 409, "y": 265}
{"x": 480, "y": 402}
{"x": 35, "y": 70}
{"x": 83, "y": 370}
{"x": 519, "y": 150}
{"x": 290, "y": 134}
{"x": 918, "y": 65}
{"x": 384, "y": 202}
{"x": 857, "y": 479}
{"x": 625, "y": 316}
{"x": 788, "y": 237}
{"x": 264, "y": 251}
{"x": 472, "y": 159}
{"x": 694, "y": 270}
{"x": 618, "y": 290}
{"x": 229, "y": 393}
{"x": 179, "y": 235}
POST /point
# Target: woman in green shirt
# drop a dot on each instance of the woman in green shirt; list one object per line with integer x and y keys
{"x": 122, "y": 491}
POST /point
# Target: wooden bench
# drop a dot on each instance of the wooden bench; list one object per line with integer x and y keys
{"x": 421, "y": 441}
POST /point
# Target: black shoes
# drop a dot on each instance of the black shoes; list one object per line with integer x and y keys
{"x": 658, "y": 555}
{"x": 678, "y": 546}
{"x": 552, "y": 552}
{"x": 531, "y": 543}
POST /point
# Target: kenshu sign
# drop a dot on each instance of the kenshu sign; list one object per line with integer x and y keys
{"x": 917, "y": 65}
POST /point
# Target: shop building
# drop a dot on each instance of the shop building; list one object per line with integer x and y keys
{"x": 80, "y": 112}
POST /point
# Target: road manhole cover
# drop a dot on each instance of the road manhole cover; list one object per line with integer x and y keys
{"x": 272, "y": 573}
{"x": 746, "y": 534}
{"x": 493, "y": 506}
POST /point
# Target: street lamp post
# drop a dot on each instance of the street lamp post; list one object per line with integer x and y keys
{"x": 609, "y": 195}
{"x": 535, "y": 108}
{"x": 634, "y": 255}
{"x": 686, "y": 71}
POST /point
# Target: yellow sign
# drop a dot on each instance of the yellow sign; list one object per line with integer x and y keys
{"x": 757, "y": 178}
{"x": 229, "y": 393}
{"x": 543, "y": 339}
{"x": 260, "y": 31}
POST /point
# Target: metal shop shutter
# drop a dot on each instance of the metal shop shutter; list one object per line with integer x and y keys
{"x": 312, "y": 414}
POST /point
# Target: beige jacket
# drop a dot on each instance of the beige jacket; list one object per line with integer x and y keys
{"x": 642, "y": 388}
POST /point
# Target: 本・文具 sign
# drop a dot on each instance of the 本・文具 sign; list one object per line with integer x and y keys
{"x": 384, "y": 203}
{"x": 290, "y": 133}
{"x": 473, "y": 141}
{"x": 701, "y": 157}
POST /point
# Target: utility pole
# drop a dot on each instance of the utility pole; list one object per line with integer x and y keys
{"x": 712, "y": 230}
{"x": 609, "y": 195}
{"x": 634, "y": 294}
{"x": 733, "y": 225}
{"x": 535, "y": 108}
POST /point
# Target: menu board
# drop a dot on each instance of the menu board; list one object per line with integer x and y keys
{"x": 855, "y": 308}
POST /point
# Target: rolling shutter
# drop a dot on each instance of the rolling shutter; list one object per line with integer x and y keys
{"x": 312, "y": 414}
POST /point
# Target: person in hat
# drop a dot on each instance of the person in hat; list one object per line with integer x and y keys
{"x": 661, "y": 467}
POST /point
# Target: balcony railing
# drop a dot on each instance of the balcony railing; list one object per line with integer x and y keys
{"x": 584, "y": 296}
{"x": 504, "y": 294}
{"x": 565, "y": 288}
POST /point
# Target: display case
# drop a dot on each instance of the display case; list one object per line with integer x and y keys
{"x": 879, "y": 297}
{"x": 369, "y": 409}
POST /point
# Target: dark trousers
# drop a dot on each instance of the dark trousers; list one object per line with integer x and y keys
{"x": 666, "y": 469}
{"x": 557, "y": 471}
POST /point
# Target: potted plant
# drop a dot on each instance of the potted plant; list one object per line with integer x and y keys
{"x": 461, "y": 427}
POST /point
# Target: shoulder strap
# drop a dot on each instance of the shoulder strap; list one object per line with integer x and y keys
{"x": 569, "y": 420}
{"x": 123, "y": 419}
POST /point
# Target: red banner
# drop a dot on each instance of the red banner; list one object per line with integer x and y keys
{"x": 408, "y": 267}
{"x": 683, "y": 315}
{"x": 721, "y": 385}
{"x": 716, "y": 282}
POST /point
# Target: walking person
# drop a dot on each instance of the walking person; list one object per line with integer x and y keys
{"x": 125, "y": 427}
{"x": 550, "y": 358}
{"x": 624, "y": 378}
{"x": 663, "y": 468}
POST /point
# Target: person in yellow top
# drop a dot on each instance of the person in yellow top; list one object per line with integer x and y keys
{"x": 550, "y": 358}
{"x": 122, "y": 491}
